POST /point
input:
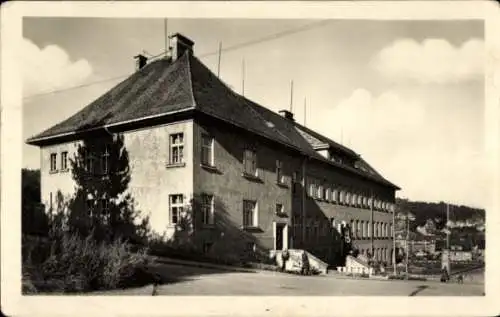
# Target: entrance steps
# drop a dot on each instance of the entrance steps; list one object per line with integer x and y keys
{"x": 355, "y": 265}
{"x": 294, "y": 262}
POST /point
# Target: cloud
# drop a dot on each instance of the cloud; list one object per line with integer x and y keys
{"x": 406, "y": 141}
{"x": 431, "y": 61}
{"x": 50, "y": 68}
{"x": 363, "y": 117}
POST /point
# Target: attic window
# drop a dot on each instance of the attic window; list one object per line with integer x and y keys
{"x": 270, "y": 124}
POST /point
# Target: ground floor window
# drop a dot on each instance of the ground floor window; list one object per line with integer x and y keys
{"x": 250, "y": 213}
{"x": 176, "y": 206}
{"x": 207, "y": 209}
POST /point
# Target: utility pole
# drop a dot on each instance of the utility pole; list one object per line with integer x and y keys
{"x": 407, "y": 242}
{"x": 448, "y": 234}
{"x": 291, "y": 96}
{"x": 371, "y": 223}
{"x": 447, "y": 226}
{"x": 394, "y": 238}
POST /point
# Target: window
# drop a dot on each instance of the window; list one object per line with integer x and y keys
{"x": 88, "y": 160}
{"x": 90, "y": 207}
{"x": 347, "y": 198}
{"x": 335, "y": 195}
{"x": 250, "y": 162}
{"x": 354, "y": 226}
{"x": 316, "y": 229}
{"x": 64, "y": 161}
{"x": 295, "y": 182}
{"x": 176, "y": 148}
{"x": 328, "y": 194}
{"x": 342, "y": 196}
{"x": 207, "y": 209}
{"x": 279, "y": 209}
{"x": 312, "y": 188}
{"x": 360, "y": 201}
{"x": 280, "y": 178}
{"x": 390, "y": 228}
{"x": 365, "y": 202}
{"x": 207, "y": 154}
{"x": 250, "y": 214}
{"x": 53, "y": 162}
{"x": 360, "y": 229}
{"x": 105, "y": 161}
{"x": 207, "y": 246}
{"x": 176, "y": 207}
{"x": 104, "y": 209}
{"x": 319, "y": 191}
{"x": 296, "y": 223}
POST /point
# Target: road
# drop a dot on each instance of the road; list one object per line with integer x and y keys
{"x": 184, "y": 280}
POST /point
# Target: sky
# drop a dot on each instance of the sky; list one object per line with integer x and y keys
{"x": 408, "y": 96}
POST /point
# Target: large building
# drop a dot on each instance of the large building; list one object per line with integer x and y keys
{"x": 254, "y": 179}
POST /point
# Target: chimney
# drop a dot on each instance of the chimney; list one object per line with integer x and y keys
{"x": 179, "y": 44}
{"x": 287, "y": 114}
{"x": 141, "y": 61}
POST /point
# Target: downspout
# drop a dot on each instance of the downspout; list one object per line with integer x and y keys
{"x": 304, "y": 197}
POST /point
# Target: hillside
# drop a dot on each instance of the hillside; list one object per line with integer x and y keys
{"x": 466, "y": 223}
{"x": 424, "y": 211}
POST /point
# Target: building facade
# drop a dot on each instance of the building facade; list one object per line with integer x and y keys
{"x": 253, "y": 180}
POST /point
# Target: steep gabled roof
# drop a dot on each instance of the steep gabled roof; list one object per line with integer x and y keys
{"x": 164, "y": 87}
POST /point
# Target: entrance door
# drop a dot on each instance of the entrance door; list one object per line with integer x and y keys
{"x": 281, "y": 236}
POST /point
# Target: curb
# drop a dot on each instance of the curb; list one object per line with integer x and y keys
{"x": 203, "y": 265}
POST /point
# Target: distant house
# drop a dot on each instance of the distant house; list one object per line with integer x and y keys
{"x": 427, "y": 246}
{"x": 460, "y": 255}
{"x": 254, "y": 179}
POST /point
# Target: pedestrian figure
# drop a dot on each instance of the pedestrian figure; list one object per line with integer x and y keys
{"x": 460, "y": 279}
{"x": 284, "y": 257}
{"x": 305, "y": 264}
{"x": 444, "y": 276}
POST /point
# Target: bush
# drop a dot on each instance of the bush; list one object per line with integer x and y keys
{"x": 76, "y": 264}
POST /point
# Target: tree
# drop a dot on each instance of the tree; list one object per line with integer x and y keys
{"x": 33, "y": 219}
{"x": 101, "y": 205}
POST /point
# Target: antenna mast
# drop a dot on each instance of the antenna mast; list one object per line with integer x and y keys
{"x": 305, "y": 111}
{"x": 218, "y": 63}
{"x": 243, "y": 77}
{"x": 165, "y": 30}
{"x": 291, "y": 96}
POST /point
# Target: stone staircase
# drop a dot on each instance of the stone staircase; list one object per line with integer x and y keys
{"x": 294, "y": 263}
{"x": 355, "y": 265}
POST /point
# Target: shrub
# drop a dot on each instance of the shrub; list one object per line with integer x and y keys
{"x": 77, "y": 264}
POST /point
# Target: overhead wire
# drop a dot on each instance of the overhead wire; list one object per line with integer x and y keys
{"x": 268, "y": 38}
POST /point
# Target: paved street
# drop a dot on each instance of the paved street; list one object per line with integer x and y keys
{"x": 183, "y": 280}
